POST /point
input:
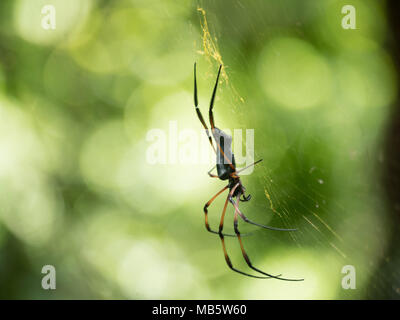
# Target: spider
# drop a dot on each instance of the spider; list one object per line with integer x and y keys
{"x": 226, "y": 170}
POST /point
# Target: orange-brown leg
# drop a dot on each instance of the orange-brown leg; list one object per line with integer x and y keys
{"x": 229, "y": 263}
{"x": 206, "y": 213}
{"x": 221, "y": 226}
{"x": 245, "y": 256}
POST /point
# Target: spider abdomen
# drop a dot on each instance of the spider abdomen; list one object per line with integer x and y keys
{"x": 224, "y": 171}
{"x": 225, "y": 159}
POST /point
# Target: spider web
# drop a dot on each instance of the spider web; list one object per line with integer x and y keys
{"x": 299, "y": 188}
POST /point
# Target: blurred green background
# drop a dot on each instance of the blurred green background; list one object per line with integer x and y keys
{"x": 77, "y": 103}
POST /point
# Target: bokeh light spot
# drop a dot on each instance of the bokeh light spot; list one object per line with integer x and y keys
{"x": 294, "y": 74}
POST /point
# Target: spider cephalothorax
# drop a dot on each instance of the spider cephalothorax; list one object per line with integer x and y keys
{"x": 226, "y": 170}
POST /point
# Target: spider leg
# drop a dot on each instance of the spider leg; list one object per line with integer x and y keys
{"x": 221, "y": 235}
{"x": 211, "y": 115}
{"x": 245, "y": 219}
{"x": 199, "y": 115}
{"x": 212, "y": 175}
{"x": 229, "y": 263}
{"x": 245, "y": 256}
{"x": 253, "y": 164}
{"x": 206, "y": 213}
